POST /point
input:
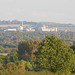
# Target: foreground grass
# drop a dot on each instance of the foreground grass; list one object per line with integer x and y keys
{"x": 23, "y": 72}
{"x": 43, "y": 73}
{"x": 39, "y": 73}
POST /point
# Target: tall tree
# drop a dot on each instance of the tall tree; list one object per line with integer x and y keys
{"x": 54, "y": 55}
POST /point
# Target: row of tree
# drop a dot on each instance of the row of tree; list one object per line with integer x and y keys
{"x": 15, "y": 37}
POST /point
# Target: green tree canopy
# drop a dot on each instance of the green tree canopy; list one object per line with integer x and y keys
{"x": 12, "y": 57}
{"x": 54, "y": 55}
{"x": 73, "y": 47}
{"x": 1, "y": 49}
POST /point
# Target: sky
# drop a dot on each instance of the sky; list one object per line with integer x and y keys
{"x": 60, "y": 11}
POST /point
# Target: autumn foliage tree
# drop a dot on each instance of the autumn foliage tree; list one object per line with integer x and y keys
{"x": 27, "y": 48}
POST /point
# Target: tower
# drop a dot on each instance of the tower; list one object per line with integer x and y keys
{"x": 21, "y": 26}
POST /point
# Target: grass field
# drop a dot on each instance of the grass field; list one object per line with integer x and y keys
{"x": 3, "y": 53}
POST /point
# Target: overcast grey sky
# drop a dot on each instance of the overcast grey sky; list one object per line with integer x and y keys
{"x": 61, "y": 11}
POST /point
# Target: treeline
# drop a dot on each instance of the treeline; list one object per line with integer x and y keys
{"x": 10, "y": 40}
{"x": 13, "y": 37}
{"x": 51, "y": 54}
{"x": 16, "y": 22}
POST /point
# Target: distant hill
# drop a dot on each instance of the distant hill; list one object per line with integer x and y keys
{"x": 16, "y": 22}
{"x": 49, "y": 22}
{"x": 25, "y": 22}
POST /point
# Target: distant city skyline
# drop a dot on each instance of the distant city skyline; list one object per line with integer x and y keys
{"x": 59, "y": 11}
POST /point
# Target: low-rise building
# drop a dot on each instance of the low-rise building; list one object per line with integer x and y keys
{"x": 10, "y": 30}
{"x": 46, "y": 28}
